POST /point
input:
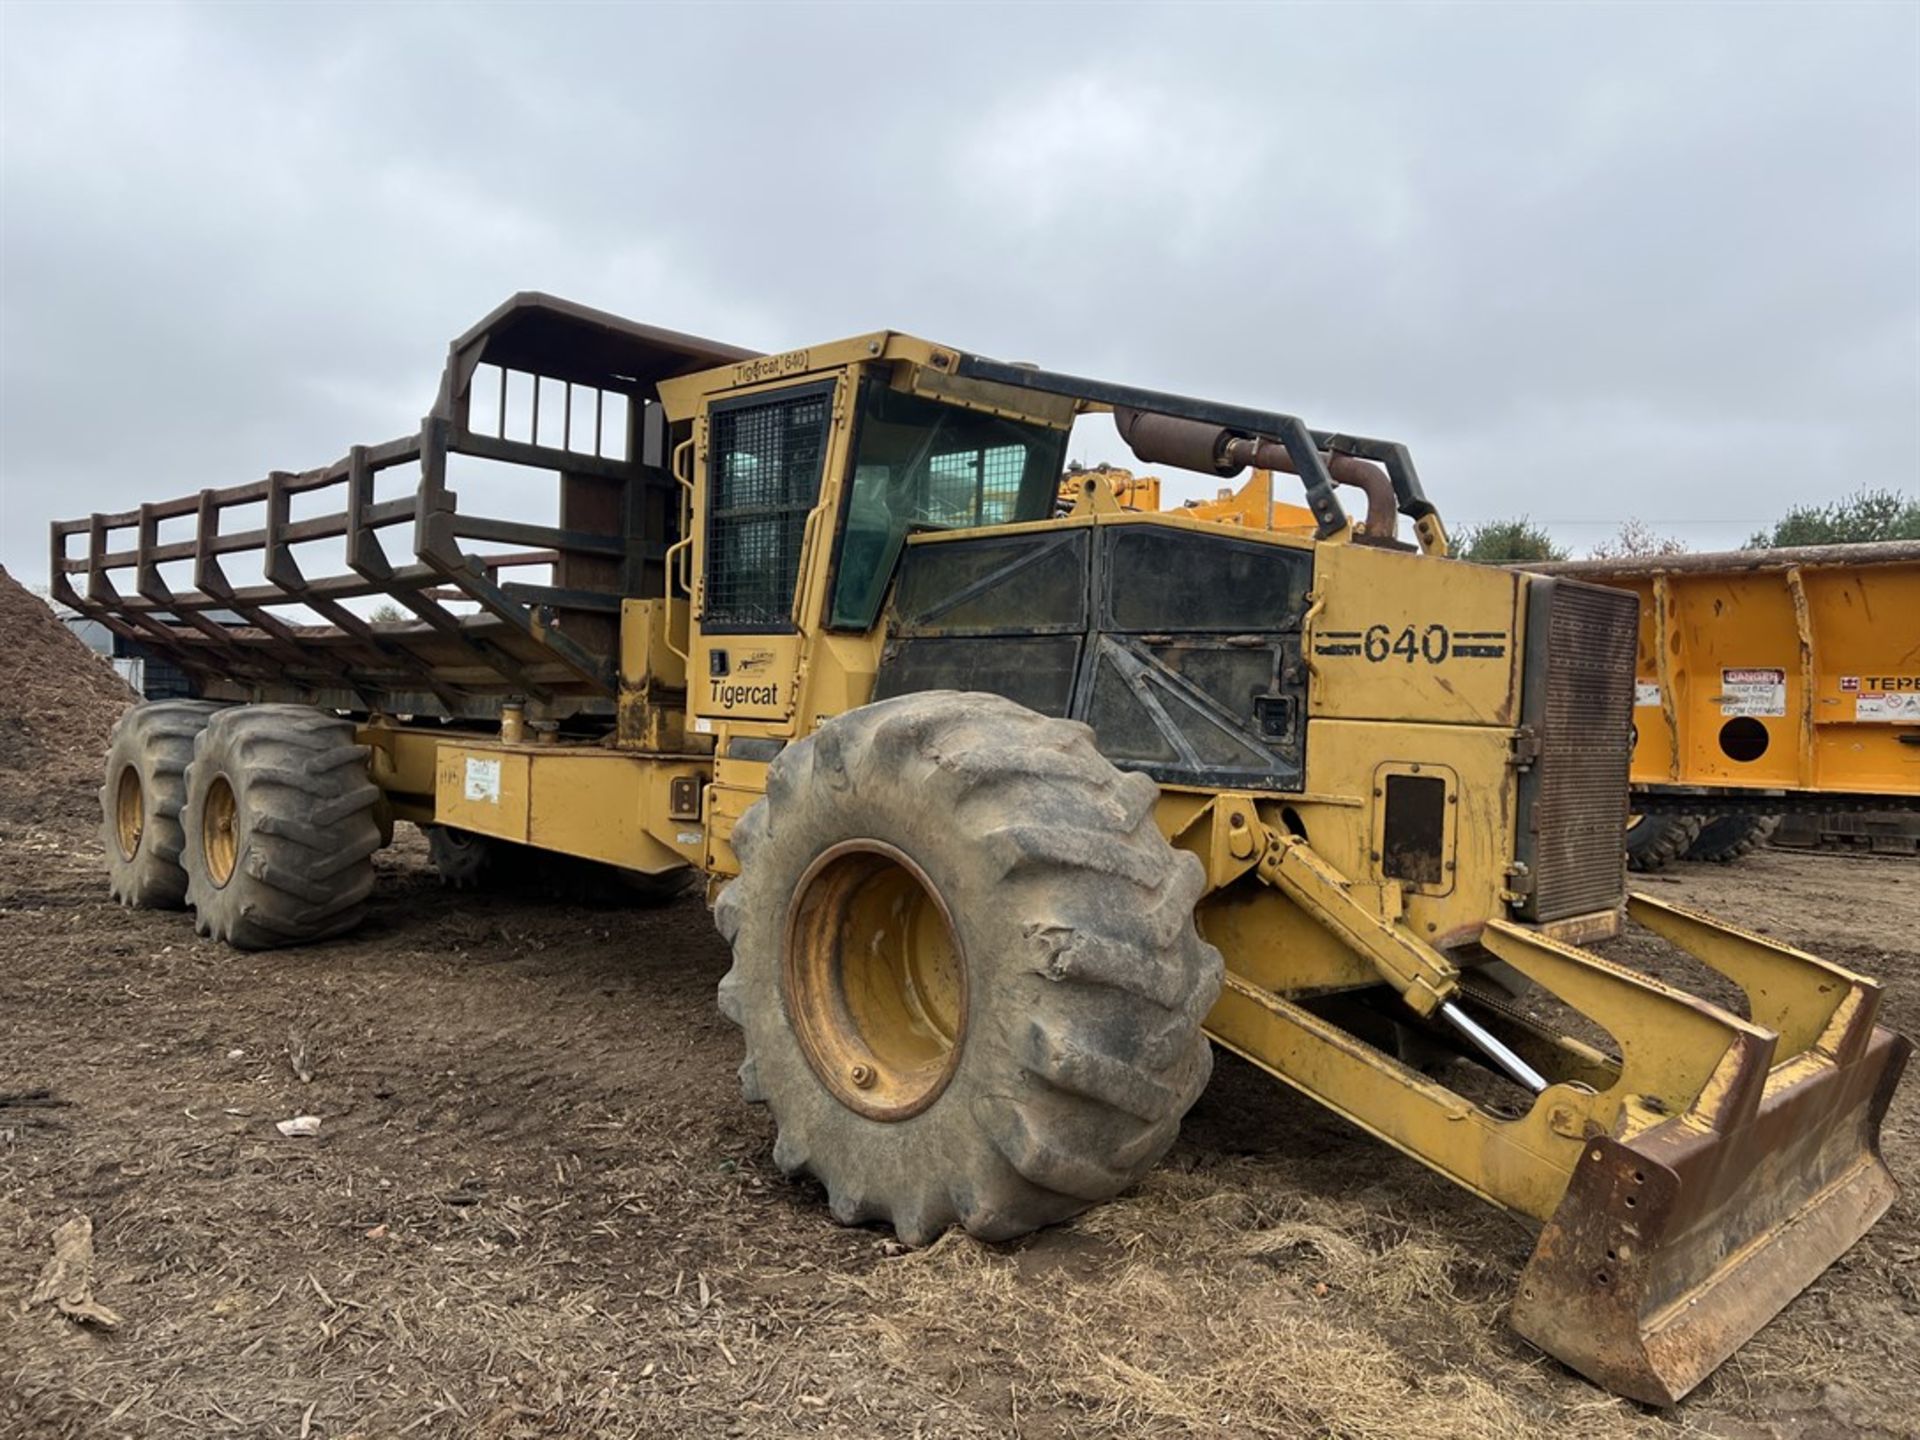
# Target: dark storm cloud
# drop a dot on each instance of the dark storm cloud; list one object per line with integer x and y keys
{"x": 1588, "y": 263}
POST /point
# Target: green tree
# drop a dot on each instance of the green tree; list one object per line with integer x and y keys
{"x": 386, "y": 614}
{"x": 1868, "y": 515}
{"x": 1501, "y": 541}
{"x": 1635, "y": 538}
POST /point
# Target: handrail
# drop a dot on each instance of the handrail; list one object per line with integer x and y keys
{"x": 684, "y": 475}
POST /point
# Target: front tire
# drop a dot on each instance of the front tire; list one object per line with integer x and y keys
{"x": 965, "y": 963}
{"x": 280, "y": 827}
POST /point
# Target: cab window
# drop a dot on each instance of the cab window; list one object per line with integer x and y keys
{"x": 920, "y": 465}
{"x": 765, "y": 458}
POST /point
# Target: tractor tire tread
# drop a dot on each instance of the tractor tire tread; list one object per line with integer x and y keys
{"x": 308, "y": 827}
{"x": 1726, "y": 838}
{"x": 1084, "y": 1048}
{"x": 1658, "y": 840}
{"x": 156, "y": 738}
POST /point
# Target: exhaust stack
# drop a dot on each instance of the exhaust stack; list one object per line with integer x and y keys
{"x": 1214, "y": 450}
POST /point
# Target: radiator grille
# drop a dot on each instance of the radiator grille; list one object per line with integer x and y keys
{"x": 1579, "y": 703}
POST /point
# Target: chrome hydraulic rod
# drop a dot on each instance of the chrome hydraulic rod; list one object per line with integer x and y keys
{"x": 1491, "y": 1047}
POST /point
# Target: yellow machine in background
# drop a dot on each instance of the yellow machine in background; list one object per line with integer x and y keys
{"x": 1251, "y": 505}
{"x": 1008, "y": 814}
{"x": 1769, "y": 683}
{"x": 1792, "y": 669}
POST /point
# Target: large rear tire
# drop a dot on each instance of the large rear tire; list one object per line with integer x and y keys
{"x": 1656, "y": 841}
{"x": 146, "y": 784}
{"x": 280, "y": 827}
{"x": 1726, "y": 838}
{"x": 966, "y": 966}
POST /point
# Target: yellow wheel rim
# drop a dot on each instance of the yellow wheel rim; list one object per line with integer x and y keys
{"x": 219, "y": 831}
{"x": 129, "y": 812}
{"x": 875, "y": 980}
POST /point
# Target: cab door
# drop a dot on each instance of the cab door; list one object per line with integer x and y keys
{"x": 770, "y": 456}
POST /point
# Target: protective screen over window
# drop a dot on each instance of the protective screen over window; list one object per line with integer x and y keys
{"x": 765, "y": 462}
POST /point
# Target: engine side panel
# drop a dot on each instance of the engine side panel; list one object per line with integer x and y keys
{"x": 1179, "y": 647}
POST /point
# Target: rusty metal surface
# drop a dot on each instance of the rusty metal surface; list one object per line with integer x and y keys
{"x": 1577, "y": 702}
{"x": 1213, "y": 450}
{"x": 545, "y": 335}
{"x": 1805, "y": 557}
{"x": 1672, "y": 1247}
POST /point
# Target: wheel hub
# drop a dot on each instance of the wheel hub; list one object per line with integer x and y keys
{"x": 219, "y": 831}
{"x": 129, "y": 812}
{"x": 875, "y": 979}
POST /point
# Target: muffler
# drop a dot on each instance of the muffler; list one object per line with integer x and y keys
{"x": 1211, "y": 450}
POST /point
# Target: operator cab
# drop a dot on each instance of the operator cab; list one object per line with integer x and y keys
{"x": 821, "y": 465}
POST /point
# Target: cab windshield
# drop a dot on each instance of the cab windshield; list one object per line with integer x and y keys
{"x": 922, "y": 465}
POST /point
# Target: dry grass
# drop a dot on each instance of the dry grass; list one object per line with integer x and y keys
{"x": 1207, "y": 1304}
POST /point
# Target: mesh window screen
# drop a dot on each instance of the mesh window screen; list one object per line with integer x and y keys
{"x": 766, "y": 461}
{"x": 976, "y": 487}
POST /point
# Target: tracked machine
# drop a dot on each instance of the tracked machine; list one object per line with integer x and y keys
{"x": 1008, "y": 815}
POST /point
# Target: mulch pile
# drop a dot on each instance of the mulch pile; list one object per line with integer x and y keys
{"x": 58, "y": 702}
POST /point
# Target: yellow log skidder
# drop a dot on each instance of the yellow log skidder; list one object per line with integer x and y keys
{"x": 1009, "y": 815}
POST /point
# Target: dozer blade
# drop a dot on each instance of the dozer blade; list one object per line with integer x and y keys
{"x": 1691, "y": 1224}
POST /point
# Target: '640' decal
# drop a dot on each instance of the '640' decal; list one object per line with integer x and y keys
{"x": 1432, "y": 644}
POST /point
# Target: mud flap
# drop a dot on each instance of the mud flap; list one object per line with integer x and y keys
{"x": 1675, "y": 1243}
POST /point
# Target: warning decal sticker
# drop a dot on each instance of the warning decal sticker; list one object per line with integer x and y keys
{"x": 1888, "y": 707}
{"x": 483, "y": 780}
{"x": 1645, "y": 693}
{"x": 1753, "y": 692}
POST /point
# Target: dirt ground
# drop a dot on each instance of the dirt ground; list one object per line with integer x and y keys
{"x": 537, "y": 1206}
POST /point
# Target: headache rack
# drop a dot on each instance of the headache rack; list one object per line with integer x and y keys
{"x": 473, "y": 630}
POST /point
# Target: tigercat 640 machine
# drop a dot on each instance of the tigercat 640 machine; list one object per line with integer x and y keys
{"x": 1008, "y": 815}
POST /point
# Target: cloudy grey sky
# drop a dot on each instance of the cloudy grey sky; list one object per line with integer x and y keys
{"x": 1587, "y": 263}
